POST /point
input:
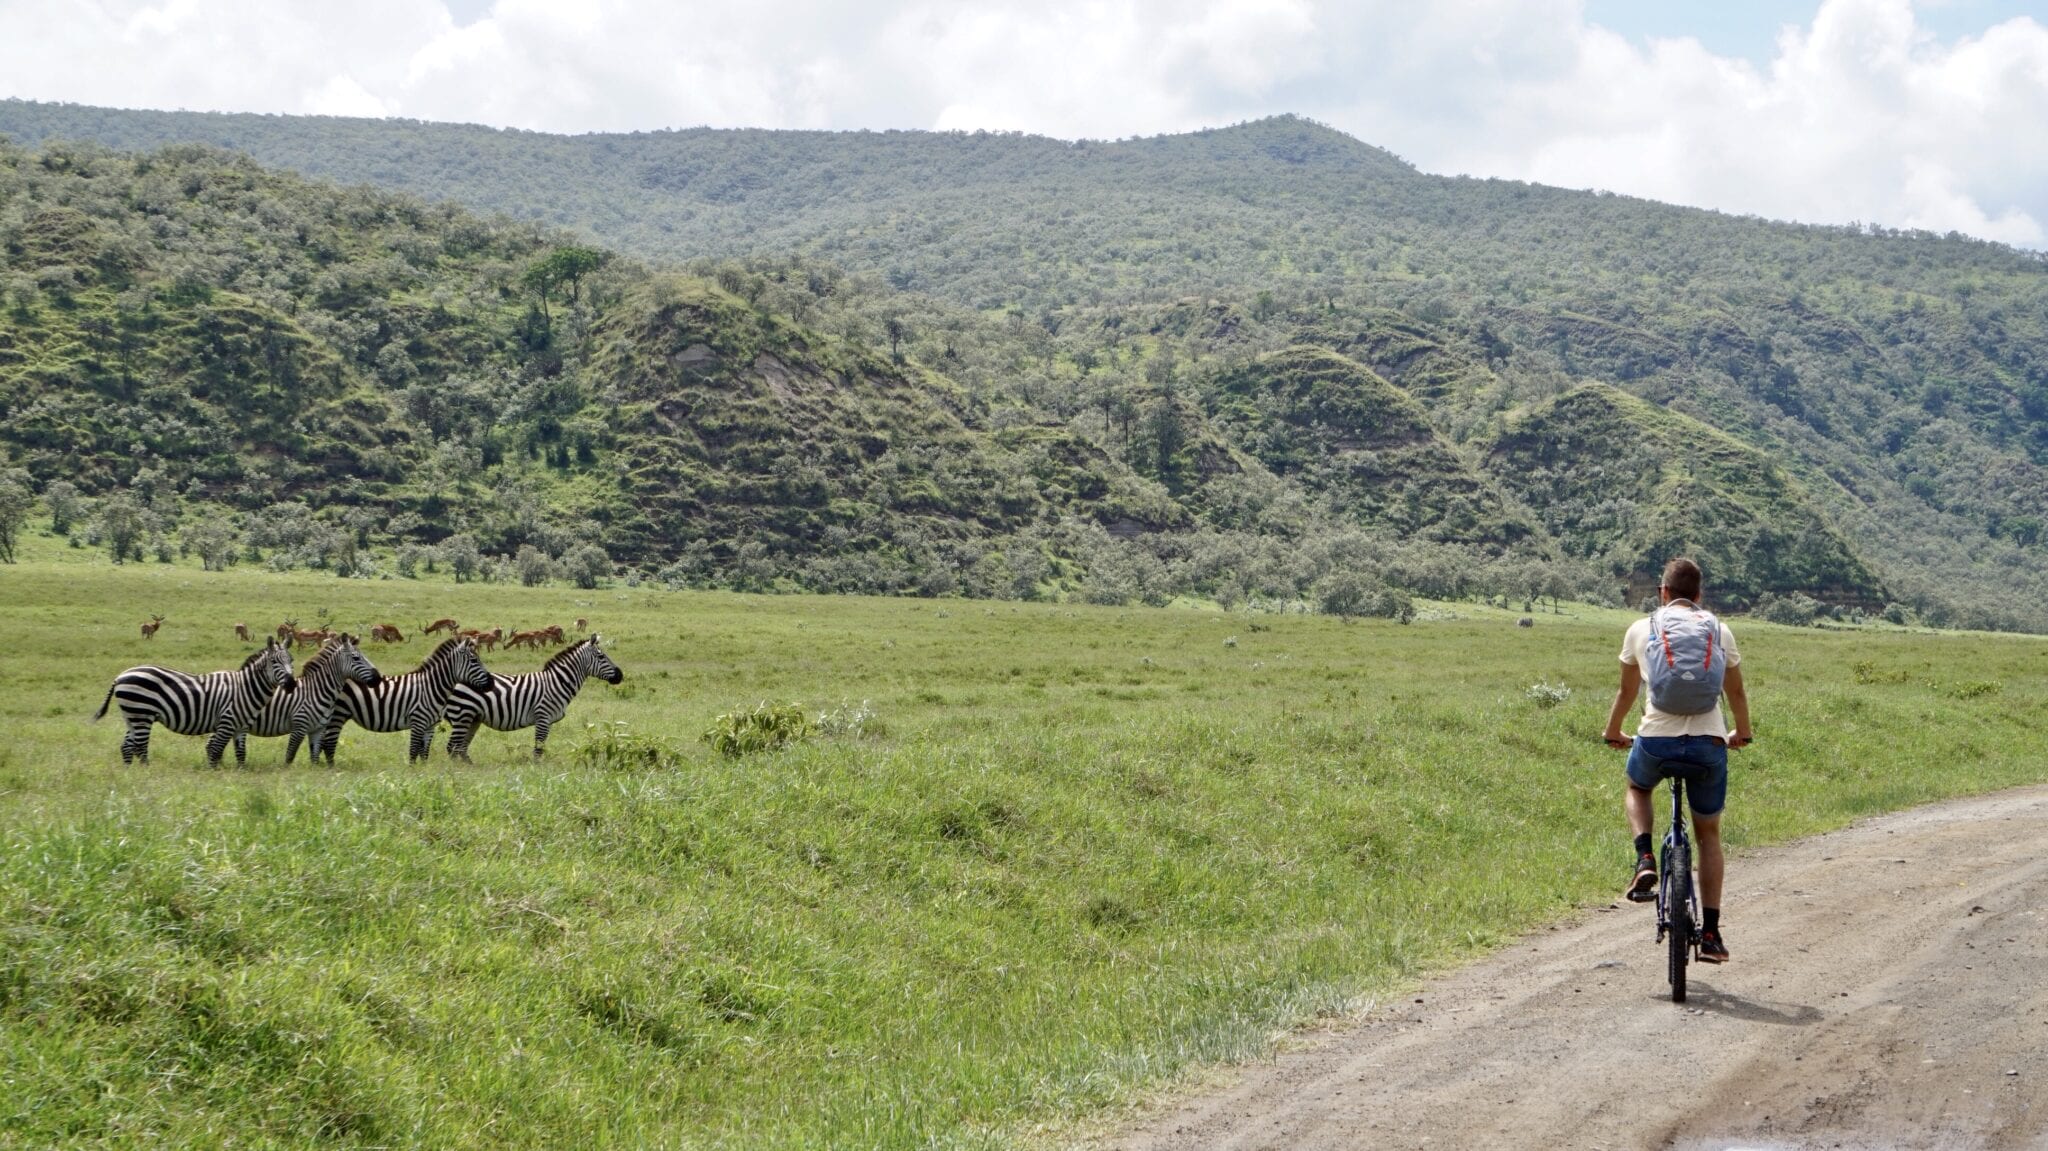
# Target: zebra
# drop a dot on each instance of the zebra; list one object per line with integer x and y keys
{"x": 412, "y": 701}
{"x": 538, "y": 700}
{"x": 301, "y": 710}
{"x": 219, "y": 702}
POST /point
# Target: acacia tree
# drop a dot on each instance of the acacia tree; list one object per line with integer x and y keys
{"x": 65, "y": 504}
{"x": 562, "y": 266}
{"x": 15, "y": 501}
{"x": 123, "y": 522}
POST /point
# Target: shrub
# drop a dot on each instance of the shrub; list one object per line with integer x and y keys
{"x": 763, "y": 727}
{"x": 1974, "y": 688}
{"x": 535, "y": 568}
{"x": 614, "y": 748}
{"x": 849, "y": 721}
{"x": 66, "y": 505}
{"x": 1546, "y": 694}
{"x": 586, "y": 565}
{"x": 463, "y": 556}
{"x": 1795, "y": 610}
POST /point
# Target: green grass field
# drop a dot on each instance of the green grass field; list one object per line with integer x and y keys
{"x": 1078, "y": 852}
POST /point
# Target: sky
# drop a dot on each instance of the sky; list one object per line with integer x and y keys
{"x": 1905, "y": 113}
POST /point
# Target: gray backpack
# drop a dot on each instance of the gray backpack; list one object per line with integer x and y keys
{"x": 1686, "y": 660}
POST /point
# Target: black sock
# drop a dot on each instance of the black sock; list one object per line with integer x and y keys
{"x": 1713, "y": 922}
{"x": 1643, "y": 844}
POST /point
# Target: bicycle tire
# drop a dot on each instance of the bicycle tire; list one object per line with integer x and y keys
{"x": 1679, "y": 918}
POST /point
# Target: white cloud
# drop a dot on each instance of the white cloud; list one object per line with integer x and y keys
{"x": 1860, "y": 114}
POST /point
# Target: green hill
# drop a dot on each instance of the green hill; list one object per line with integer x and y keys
{"x": 1050, "y": 309}
{"x": 1901, "y": 376}
{"x": 261, "y": 367}
{"x": 1628, "y": 485}
{"x": 1366, "y": 446}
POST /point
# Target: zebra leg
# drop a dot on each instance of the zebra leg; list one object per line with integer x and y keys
{"x": 241, "y": 749}
{"x": 218, "y": 746}
{"x": 291, "y": 748}
{"x": 460, "y": 732}
{"x": 421, "y": 743}
{"x": 329, "y": 740}
{"x": 540, "y": 737}
{"x": 135, "y": 744}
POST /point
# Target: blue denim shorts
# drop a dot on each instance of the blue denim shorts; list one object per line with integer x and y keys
{"x": 1700, "y": 760}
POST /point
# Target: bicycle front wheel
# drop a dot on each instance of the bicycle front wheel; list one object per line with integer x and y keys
{"x": 1678, "y": 917}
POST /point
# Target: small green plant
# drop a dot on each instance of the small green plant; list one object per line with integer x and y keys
{"x": 614, "y": 747}
{"x": 763, "y": 727}
{"x": 1974, "y": 688}
{"x": 1546, "y": 694}
{"x": 1869, "y": 673}
{"x": 846, "y": 720}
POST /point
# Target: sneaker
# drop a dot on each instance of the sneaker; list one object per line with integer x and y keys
{"x": 1712, "y": 950}
{"x": 1643, "y": 888}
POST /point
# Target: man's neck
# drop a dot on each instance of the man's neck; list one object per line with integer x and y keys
{"x": 1681, "y": 601}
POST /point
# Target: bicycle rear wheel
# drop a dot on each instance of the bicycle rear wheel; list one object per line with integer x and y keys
{"x": 1678, "y": 916}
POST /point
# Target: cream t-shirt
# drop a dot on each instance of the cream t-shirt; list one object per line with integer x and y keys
{"x": 1635, "y": 649}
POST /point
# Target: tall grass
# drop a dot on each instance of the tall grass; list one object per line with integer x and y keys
{"x": 1072, "y": 852}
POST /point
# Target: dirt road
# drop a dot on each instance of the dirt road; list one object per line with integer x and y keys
{"x": 1889, "y": 990}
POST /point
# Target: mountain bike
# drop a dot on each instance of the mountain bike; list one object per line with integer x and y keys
{"x": 1678, "y": 898}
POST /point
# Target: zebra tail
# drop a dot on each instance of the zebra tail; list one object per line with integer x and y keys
{"x": 104, "y": 704}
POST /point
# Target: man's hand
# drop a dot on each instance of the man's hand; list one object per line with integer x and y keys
{"x": 1618, "y": 741}
{"x": 1741, "y": 739}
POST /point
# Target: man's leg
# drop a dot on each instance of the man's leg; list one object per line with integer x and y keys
{"x": 1707, "y": 828}
{"x": 1637, "y": 804}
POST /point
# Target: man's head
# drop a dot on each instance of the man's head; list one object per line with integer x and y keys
{"x": 1681, "y": 580}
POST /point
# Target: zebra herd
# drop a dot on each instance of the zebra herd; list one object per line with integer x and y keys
{"x": 338, "y": 685}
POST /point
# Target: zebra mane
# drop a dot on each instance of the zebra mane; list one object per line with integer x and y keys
{"x": 254, "y": 656}
{"x": 439, "y": 654}
{"x": 319, "y": 659}
{"x": 563, "y": 656}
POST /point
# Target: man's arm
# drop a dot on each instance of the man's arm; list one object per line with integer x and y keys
{"x": 1738, "y": 703}
{"x": 1624, "y": 699}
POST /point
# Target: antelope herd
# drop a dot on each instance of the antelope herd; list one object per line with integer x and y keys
{"x": 289, "y": 633}
{"x": 338, "y": 685}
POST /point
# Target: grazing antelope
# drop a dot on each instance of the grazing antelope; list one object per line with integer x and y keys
{"x": 301, "y": 710}
{"x": 484, "y": 639}
{"x": 386, "y": 633}
{"x": 582, "y": 626}
{"x": 285, "y": 630}
{"x": 525, "y": 639}
{"x": 538, "y": 700}
{"x": 220, "y": 702}
{"x": 149, "y": 629}
{"x": 553, "y": 634}
{"x": 447, "y": 625}
{"x": 315, "y": 636}
{"x": 242, "y": 633}
{"x": 412, "y": 702}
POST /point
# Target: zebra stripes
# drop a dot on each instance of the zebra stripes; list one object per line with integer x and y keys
{"x": 537, "y": 700}
{"x": 219, "y": 702}
{"x": 302, "y": 710}
{"x": 411, "y": 701}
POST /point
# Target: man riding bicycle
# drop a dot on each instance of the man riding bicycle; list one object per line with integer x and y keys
{"x": 1682, "y": 732}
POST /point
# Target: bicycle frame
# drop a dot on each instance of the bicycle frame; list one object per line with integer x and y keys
{"x": 1678, "y": 901}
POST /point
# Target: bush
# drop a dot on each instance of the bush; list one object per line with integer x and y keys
{"x": 463, "y": 556}
{"x": 856, "y": 722}
{"x": 615, "y": 748}
{"x": 534, "y": 566}
{"x": 764, "y": 727}
{"x": 1795, "y": 610}
{"x": 586, "y": 566}
{"x": 213, "y": 540}
{"x": 1545, "y": 694}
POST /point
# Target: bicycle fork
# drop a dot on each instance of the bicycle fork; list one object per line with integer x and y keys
{"x": 1675, "y": 874}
